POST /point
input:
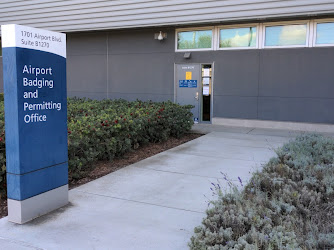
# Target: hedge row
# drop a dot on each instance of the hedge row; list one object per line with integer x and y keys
{"x": 289, "y": 205}
{"x": 102, "y": 130}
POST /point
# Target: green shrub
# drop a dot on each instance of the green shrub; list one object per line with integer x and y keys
{"x": 102, "y": 130}
{"x": 289, "y": 205}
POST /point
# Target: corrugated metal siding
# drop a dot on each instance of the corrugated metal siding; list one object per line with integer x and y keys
{"x": 79, "y": 15}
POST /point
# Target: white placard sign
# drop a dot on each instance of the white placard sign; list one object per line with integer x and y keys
{"x": 206, "y": 90}
{"x": 206, "y": 81}
{"x": 206, "y": 72}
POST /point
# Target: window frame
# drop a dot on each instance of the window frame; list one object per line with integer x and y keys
{"x": 213, "y": 39}
{"x": 256, "y": 25}
{"x": 271, "y": 24}
{"x": 315, "y": 30}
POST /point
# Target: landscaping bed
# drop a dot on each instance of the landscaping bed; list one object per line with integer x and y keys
{"x": 288, "y": 205}
{"x": 105, "y": 167}
{"x": 106, "y": 130}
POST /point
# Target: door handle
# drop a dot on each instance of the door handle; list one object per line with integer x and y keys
{"x": 196, "y": 97}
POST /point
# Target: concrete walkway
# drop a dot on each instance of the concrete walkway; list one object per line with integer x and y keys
{"x": 153, "y": 204}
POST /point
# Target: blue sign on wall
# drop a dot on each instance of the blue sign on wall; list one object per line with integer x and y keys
{"x": 188, "y": 83}
{"x": 34, "y": 71}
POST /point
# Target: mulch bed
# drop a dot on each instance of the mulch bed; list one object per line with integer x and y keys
{"x": 106, "y": 167}
{"x": 3, "y": 208}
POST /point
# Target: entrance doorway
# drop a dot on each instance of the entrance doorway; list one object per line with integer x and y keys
{"x": 193, "y": 86}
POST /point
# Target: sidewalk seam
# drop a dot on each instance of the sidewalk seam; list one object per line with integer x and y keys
{"x": 250, "y": 131}
{"x": 180, "y": 173}
{"x": 141, "y": 202}
{"x": 291, "y": 135}
{"x": 20, "y": 243}
{"x": 233, "y": 145}
{"x": 220, "y": 157}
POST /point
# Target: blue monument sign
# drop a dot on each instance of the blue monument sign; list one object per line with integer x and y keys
{"x": 34, "y": 71}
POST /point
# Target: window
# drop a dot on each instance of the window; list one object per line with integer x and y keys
{"x": 293, "y": 35}
{"x": 238, "y": 37}
{"x": 287, "y": 34}
{"x": 194, "y": 40}
{"x": 324, "y": 34}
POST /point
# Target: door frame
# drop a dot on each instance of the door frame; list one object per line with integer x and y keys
{"x": 211, "y": 96}
{"x": 200, "y": 91}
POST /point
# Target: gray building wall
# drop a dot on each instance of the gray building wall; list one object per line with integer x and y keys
{"x": 84, "y": 15}
{"x": 123, "y": 64}
{"x": 294, "y": 84}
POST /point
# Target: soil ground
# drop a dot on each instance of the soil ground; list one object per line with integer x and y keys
{"x": 106, "y": 167}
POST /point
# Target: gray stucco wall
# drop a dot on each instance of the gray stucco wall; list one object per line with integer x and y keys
{"x": 295, "y": 84}
{"x": 87, "y": 65}
{"x": 140, "y": 66}
{"x": 130, "y": 65}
